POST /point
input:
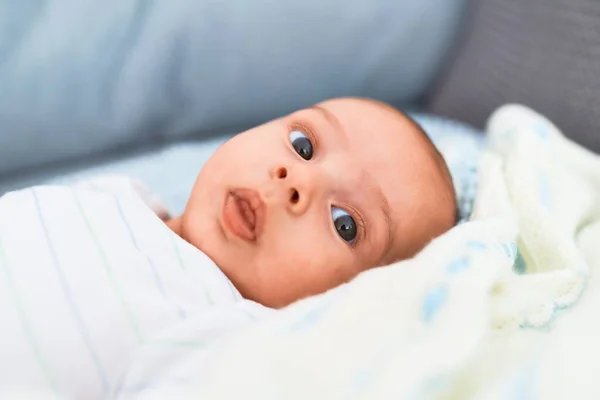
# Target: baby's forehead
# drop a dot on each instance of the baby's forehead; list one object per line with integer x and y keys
{"x": 386, "y": 137}
{"x": 385, "y": 145}
{"x": 372, "y": 121}
{"x": 377, "y": 132}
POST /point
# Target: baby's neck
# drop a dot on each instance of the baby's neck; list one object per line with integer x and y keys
{"x": 174, "y": 224}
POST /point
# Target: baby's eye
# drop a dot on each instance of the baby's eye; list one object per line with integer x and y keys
{"x": 301, "y": 144}
{"x": 344, "y": 224}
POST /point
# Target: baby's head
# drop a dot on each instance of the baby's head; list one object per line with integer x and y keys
{"x": 304, "y": 203}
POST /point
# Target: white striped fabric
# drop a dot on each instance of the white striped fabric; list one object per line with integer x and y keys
{"x": 90, "y": 277}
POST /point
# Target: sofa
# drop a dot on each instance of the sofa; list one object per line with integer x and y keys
{"x": 150, "y": 89}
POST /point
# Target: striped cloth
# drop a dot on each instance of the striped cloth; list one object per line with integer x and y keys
{"x": 90, "y": 278}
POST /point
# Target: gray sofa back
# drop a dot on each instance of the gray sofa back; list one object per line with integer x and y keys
{"x": 542, "y": 53}
{"x": 92, "y": 76}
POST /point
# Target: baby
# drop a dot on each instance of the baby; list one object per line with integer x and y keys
{"x": 306, "y": 202}
{"x": 93, "y": 284}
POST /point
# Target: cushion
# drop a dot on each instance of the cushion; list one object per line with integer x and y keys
{"x": 82, "y": 78}
{"x": 544, "y": 54}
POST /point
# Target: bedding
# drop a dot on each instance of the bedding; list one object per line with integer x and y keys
{"x": 89, "y": 275}
{"x": 502, "y": 306}
{"x": 460, "y": 145}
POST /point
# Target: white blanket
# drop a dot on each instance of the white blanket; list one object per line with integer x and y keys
{"x": 460, "y": 320}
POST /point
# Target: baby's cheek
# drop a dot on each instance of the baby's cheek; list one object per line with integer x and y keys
{"x": 298, "y": 258}
{"x": 311, "y": 273}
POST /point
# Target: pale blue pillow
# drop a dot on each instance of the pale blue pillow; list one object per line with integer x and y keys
{"x": 82, "y": 78}
{"x": 461, "y": 145}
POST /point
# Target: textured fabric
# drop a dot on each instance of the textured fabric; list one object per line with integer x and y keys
{"x": 89, "y": 276}
{"x": 83, "y": 77}
{"x": 171, "y": 171}
{"x": 542, "y": 53}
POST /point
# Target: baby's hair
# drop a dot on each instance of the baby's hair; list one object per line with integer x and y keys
{"x": 434, "y": 152}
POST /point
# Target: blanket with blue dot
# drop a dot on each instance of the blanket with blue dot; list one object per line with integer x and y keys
{"x": 457, "y": 321}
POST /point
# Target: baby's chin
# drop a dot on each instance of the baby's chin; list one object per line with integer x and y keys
{"x": 273, "y": 294}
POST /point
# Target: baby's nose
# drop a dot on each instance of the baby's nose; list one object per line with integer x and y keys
{"x": 297, "y": 187}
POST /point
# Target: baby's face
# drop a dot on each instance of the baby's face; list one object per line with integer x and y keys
{"x": 306, "y": 202}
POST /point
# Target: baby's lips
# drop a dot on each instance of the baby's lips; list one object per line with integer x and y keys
{"x": 257, "y": 205}
{"x": 235, "y": 218}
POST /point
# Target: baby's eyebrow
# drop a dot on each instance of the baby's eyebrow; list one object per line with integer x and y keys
{"x": 384, "y": 207}
{"x": 329, "y": 116}
{"x": 387, "y": 218}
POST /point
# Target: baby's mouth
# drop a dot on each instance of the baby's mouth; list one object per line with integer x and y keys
{"x": 243, "y": 213}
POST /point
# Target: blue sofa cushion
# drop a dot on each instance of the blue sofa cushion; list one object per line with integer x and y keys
{"x": 78, "y": 78}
